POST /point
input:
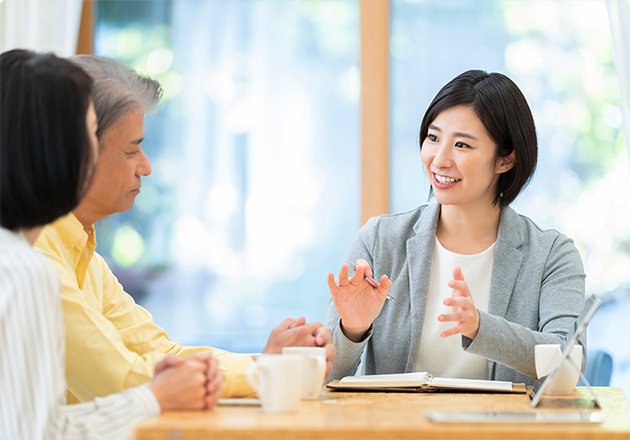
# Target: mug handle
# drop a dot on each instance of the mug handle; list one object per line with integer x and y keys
{"x": 320, "y": 363}
{"x": 249, "y": 375}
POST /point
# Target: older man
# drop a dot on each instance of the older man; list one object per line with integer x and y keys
{"x": 112, "y": 343}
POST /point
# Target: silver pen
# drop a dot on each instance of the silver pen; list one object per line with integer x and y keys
{"x": 372, "y": 282}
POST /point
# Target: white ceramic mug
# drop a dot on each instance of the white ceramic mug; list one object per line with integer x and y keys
{"x": 567, "y": 377}
{"x": 279, "y": 382}
{"x": 313, "y": 368}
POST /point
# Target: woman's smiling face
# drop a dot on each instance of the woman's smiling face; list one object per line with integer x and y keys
{"x": 459, "y": 157}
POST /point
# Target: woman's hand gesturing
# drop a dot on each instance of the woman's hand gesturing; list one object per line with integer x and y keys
{"x": 357, "y": 302}
{"x": 464, "y": 311}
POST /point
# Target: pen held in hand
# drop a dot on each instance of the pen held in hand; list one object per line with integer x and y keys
{"x": 372, "y": 282}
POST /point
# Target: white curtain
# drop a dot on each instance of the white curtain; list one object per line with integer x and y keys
{"x": 40, "y": 25}
{"x": 619, "y": 16}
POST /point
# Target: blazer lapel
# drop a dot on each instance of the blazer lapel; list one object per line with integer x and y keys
{"x": 507, "y": 264}
{"x": 419, "y": 256}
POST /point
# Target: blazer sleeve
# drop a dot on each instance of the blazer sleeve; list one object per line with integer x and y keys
{"x": 347, "y": 352}
{"x": 559, "y": 301}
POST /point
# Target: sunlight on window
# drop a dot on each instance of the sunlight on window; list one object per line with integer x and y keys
{"x": 148, "y": 200}
{"x": 128, "y": 43}
{"x": 350, "y": 83}
{"x": 524, "y": 57}
{"x": 128, "y": 246}
{"x": 159, "y": 61}
{"x": 220, "y": 87}
{"x": 221, "y": 203}
{"x": 244, "y": 115}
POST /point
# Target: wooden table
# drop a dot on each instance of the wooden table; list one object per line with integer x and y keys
{"x": 338, "y": 415}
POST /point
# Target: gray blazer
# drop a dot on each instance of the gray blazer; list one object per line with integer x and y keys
{"x": 536, "y": 294}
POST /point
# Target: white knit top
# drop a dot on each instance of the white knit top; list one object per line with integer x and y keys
{"x": 444, "y": 357}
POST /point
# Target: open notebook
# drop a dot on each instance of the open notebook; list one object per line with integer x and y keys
{"x": 422, "y": 382}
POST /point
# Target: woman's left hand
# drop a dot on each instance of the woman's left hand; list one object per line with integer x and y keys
{"x": 464, "y": 311}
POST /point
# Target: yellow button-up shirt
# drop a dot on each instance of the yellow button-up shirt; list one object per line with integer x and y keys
{"x": 111, "y": 342}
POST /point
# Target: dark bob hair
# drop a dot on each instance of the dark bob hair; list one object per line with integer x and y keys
{"x": 504, "y": 112}
{"x": 45, "y": 152}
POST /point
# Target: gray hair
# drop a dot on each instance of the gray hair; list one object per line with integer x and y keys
{"x": 117, "y": 89}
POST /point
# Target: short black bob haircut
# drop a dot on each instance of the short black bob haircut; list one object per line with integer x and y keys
{"x": 45, "y": 152}
{"x": 504, "y": 112}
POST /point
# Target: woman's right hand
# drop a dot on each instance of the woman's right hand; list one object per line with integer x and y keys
{"x": 357, "y": 302}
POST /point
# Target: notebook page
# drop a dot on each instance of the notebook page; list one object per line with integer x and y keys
{"x": 384, "y": 378}
{"x": 471, "y": 383}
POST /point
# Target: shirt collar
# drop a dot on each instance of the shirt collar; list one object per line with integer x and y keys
{"x": 78, "y": 242}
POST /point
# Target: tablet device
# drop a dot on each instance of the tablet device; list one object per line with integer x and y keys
{"x": 582, "y": 321}
{"x": 496, "y": 417}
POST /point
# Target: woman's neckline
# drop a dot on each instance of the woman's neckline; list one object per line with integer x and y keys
{"x": 477, "y": 254}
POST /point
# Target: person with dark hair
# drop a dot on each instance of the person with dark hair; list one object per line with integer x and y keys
{"x": 113, "y": 343}
{"x": 465, "y": 263}
{"x": 48, "y": 151}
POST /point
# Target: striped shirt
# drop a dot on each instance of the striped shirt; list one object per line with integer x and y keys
{"x": 32, "y": 359}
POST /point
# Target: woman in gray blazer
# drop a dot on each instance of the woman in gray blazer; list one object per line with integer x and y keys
{"x": 522, "y": 285}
